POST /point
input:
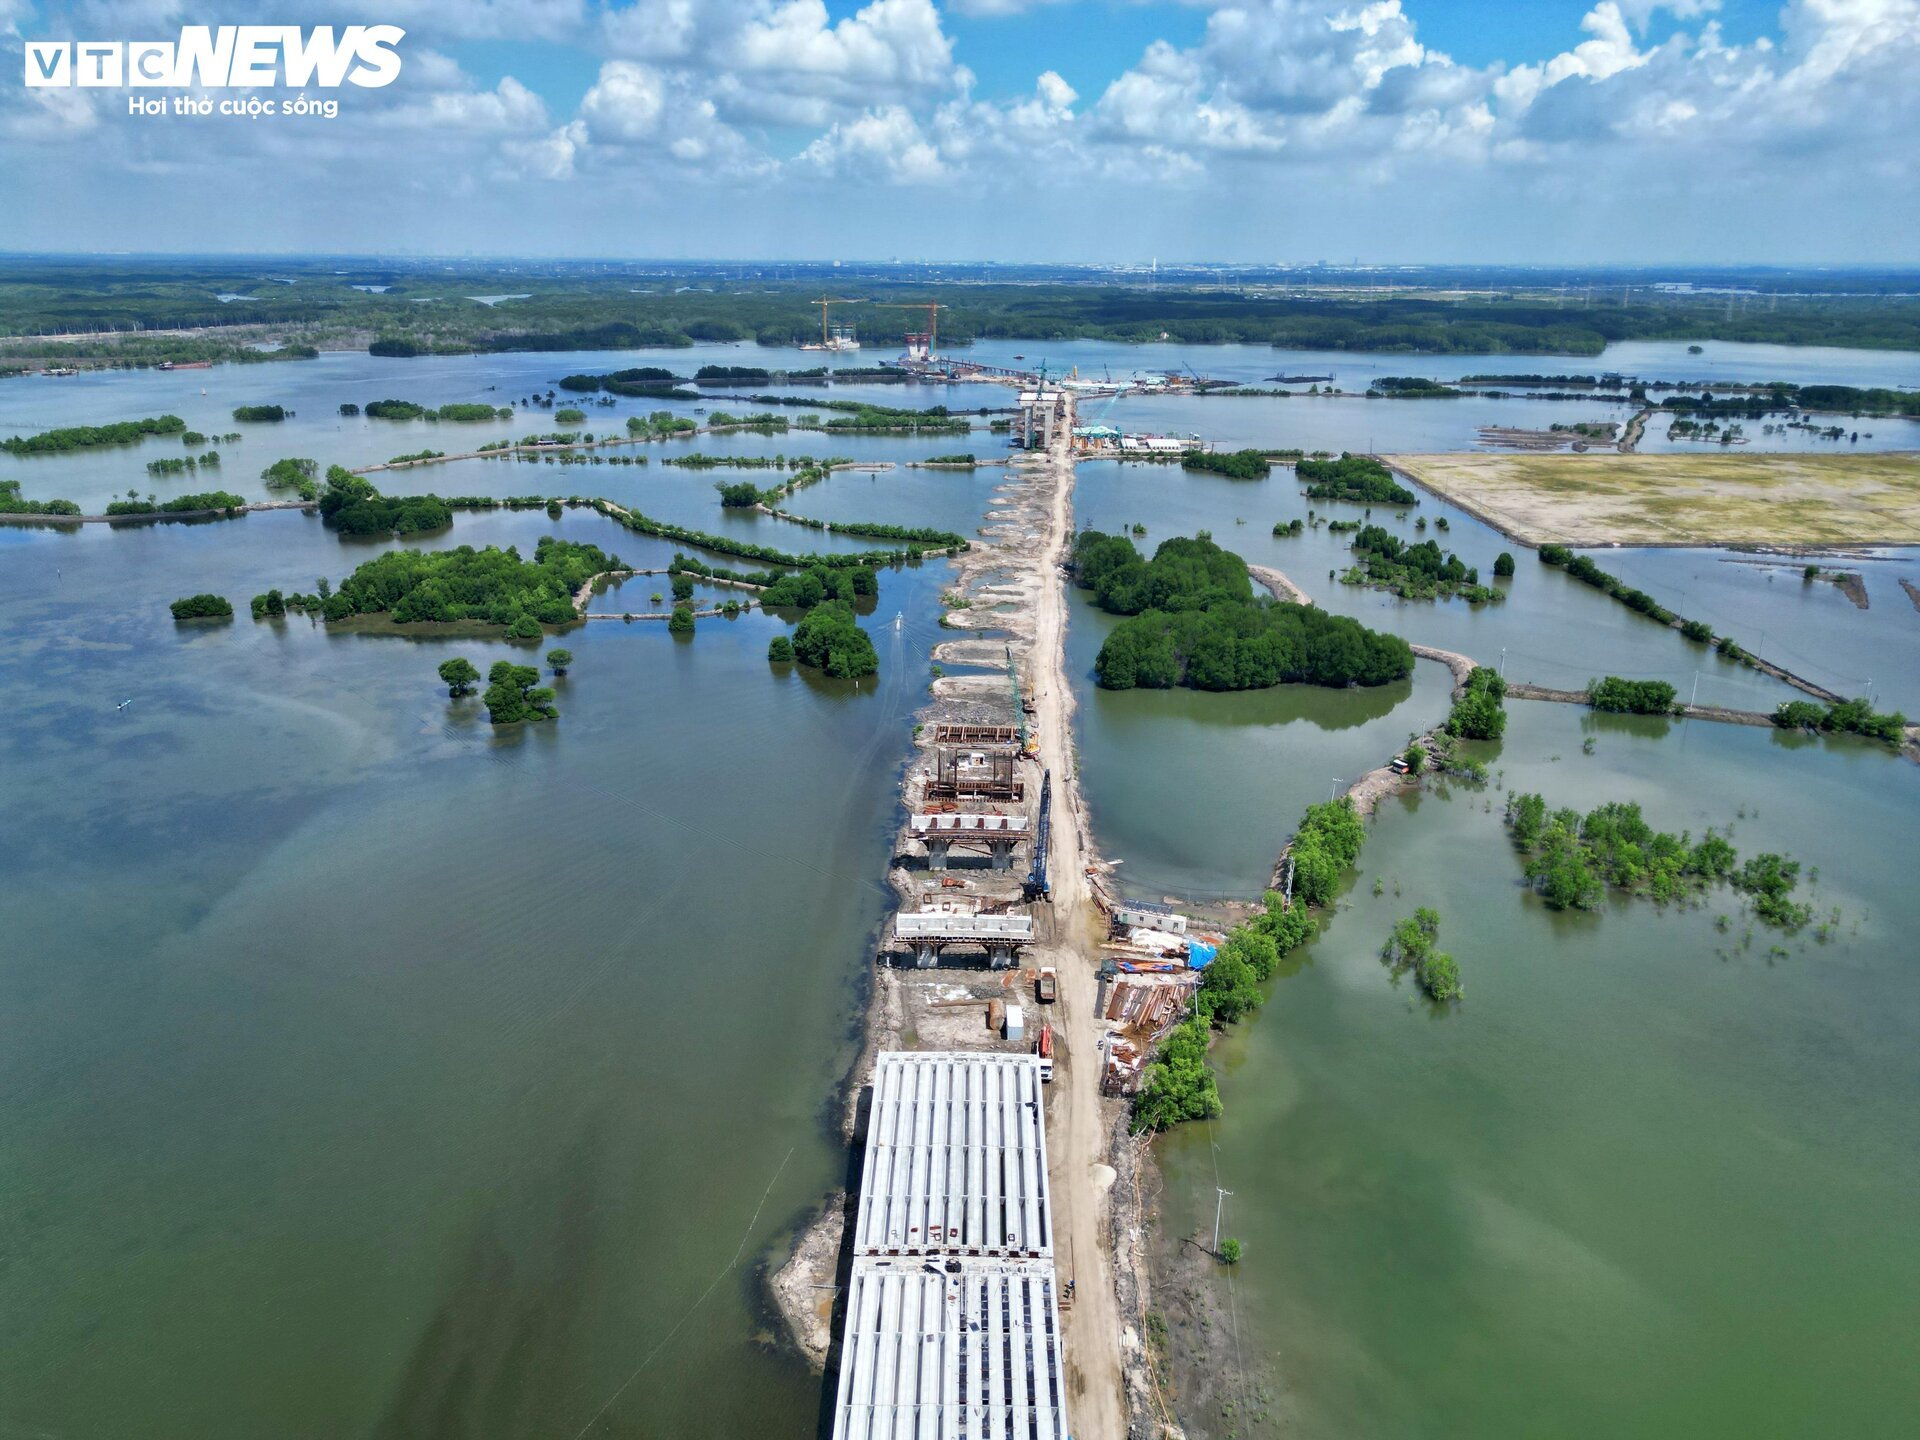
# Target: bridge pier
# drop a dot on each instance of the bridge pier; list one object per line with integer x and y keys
{"x": 999, "y": 957}
{"x": 1002, "y": 853}
{"x": 937, "y": 848}
{"x": 926, "y": 954}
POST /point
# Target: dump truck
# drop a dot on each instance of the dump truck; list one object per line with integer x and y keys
{"x": 1046, "y": 985}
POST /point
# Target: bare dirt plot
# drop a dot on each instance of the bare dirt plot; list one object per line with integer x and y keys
{"x": 1600, "y": 499}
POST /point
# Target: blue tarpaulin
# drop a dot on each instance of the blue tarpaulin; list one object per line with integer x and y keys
{"x": 1200, "y": 954}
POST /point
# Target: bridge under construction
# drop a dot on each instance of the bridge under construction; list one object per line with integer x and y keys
{"x": 951, "y": 1328}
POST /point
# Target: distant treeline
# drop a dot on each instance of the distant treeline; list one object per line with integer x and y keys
{"x": 858, "y": 415}
{"x": 429, "y": 310}
{"x": 1582, "y": 380}
{"x": 1846, "y": 399}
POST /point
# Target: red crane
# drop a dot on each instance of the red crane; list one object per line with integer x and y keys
{"x": 930, "y": 337}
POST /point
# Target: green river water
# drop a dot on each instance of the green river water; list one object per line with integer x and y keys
{"x": 370, "y": 1074}
{"x": 1649, "y": 1177}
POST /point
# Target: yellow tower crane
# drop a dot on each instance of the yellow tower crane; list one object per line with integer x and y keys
{"x": 826, "y": 304}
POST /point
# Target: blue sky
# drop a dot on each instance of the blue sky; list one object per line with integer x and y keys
{"x": 1101, "y": 130}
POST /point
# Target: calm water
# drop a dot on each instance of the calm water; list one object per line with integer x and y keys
{"x": 1196, "y": 793}
{"x": 1646, "y": 1179}
{"x": 372, "y": 1074}
{"x": 1552, "y": 630}
{"x": 1643, "y": 1180}
{"x": 314, "y": 390}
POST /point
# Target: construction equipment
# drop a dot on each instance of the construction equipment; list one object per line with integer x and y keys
{"x": 922, "y": 345}
{"x": 1036, "y": 886}
{"x": 1046, "y": 985}
{"x": 834, "y": 337}
{"x": 1027, "y": 746}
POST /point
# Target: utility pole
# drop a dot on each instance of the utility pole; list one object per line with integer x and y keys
{"x": 1335, "y": 790}
{"x": 1220, "y": 1200}
{"x": 1696, "y": 690}
{"x": 1503, "y": 662}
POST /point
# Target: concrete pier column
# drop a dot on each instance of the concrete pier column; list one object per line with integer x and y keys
{"x": 926, "y": 954}
{"x": 937, "y": 852}
{"x": 999, "y": 957}
{"x": 1002, "y": 852}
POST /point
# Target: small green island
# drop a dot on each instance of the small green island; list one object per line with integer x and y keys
{"x": 489, "y": 586}
{"x": 1193, "y": 622}
{"x": 202, "y": 607}
{"x": 1234, "y": 464}
{"x": 515, "y": 696}
{"x": 88, "y": 437}
{"x": 1481, "y": 711}
{"x": 1413, "y": 946}
{"x": 830, "y": 639}
{"x": 1420, "y": 571}
{"x": 217, "y": 502}
{"x": 1573, "y": 860}
{"x": 351, "y": 505}
{"x": 1356, "y": 478}
{"x": 461, "y": 414}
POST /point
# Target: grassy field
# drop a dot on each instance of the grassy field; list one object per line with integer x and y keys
{"x": 1683, "y": 499}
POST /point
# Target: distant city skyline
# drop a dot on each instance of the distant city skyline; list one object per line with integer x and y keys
{"x": 1063, "y": 131}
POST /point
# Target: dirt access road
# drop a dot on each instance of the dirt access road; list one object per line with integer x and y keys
{"x": 1078, "y": 1128}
